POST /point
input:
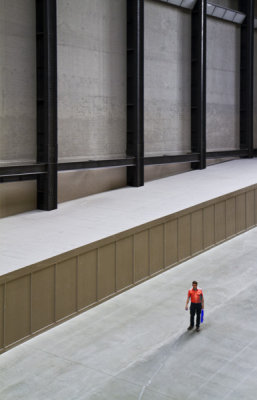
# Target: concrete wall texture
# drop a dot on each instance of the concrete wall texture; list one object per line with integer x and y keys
{"x": 17, "y": 81}
{"x": 92, "y": 78}
{"x": 167, "y": 79}
{"x": 223, "y": 79}
{"x": 92, "y": 88}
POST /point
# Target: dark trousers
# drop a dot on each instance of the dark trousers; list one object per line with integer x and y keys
{"x": 195, "y": 308}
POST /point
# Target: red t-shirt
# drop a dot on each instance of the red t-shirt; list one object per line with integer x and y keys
{"x": 196, "y": 295}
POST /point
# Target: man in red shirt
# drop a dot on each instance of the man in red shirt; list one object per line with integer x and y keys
{"x": 197, "y": 304}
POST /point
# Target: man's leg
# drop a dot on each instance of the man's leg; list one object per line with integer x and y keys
{"x": 192, "y": 315}
{"x": 198, "y": 315}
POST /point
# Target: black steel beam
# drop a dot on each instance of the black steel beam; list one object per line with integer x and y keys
{"x": 246, "y": 76}
{"x": 23, "y": 170}
{"x": 198, "y": 83}
{"x": 31, "y": 171}
{"x": 226, "y": 154}
{"x": 17, "y": 178}
{"x": 75, "y": 165}
{"x": 135, "y": 90}
{"x": 168, "y": 159}
{"x": 46, "y": 102}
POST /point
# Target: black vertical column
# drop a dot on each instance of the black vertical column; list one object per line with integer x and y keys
{"x": 198, "y": 83}
{"x": 246, "y": 76}
{"x": 135, "y": 90}
{"x": 46, "y": 102}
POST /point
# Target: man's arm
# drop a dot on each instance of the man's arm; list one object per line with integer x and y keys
{"x": 186, "y": 307}
{"x": 202, "y": 302}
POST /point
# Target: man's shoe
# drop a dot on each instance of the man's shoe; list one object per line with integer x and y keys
{"x": 190, "y": 328}
{"x": 198, "y": 329}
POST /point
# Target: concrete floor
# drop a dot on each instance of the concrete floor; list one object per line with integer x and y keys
{"x": 135, "y": 346}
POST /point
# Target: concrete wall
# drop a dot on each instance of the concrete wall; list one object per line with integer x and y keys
{"x": 223, "y": 79}
{"x": 17, "y": 81}
{"x": 92, "y": 79}
{"x": 17, "y": 100}
{"x": 92, "y": 90}
{"x": 167, "y": 79}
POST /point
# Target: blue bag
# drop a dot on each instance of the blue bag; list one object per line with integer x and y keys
{"x": 202, "y": 316}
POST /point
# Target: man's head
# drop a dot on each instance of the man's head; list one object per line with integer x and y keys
{"x": 194, "y": 283}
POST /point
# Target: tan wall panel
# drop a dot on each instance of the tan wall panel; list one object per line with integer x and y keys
{"x": 197, "y": 231}
{"x": 208, "y": 227}
{"x": 171, "y": 242}
{"x": 141, "y": 254}
{"x": 85, "y": 278}
{"x": 1, "y": 316}
{"x": 250, "y": 209}
{"x": 220, "y": 221}
{"x": 124, "y": 263}
{"x": 17, "y": 313}
{"x": 184, "y": 237}
{"x": 17, "y": 197}
{"x": 106, "y": 271}
{"x": 230, "y": 217}
{"x": 42, "y": 298}
{"x": 87, "y": 274}
{"x": 156, "y": 249}
{"x": 240, "y": 213}
{"x": 66, "y": 288}
{"x": 71, "y": 184}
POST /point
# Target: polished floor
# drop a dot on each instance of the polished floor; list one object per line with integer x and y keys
{"x": 136, "y": 346}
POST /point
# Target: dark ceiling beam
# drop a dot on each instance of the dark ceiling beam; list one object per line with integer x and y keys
{"x": 135, "y": 90}
{"x": 246, "y": 76}
{"x": 198, "y": 83}
{"x": 46, "y": 49}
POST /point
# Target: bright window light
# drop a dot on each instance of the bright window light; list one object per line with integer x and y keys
{"x": 225, "y": 13}
{"x": 175, "y": 2}
{"x": 219, "y": 12}
{"x": 229, "y": 15}
{"x": 239, "y": 18}
{"x": 210, "y": 8}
